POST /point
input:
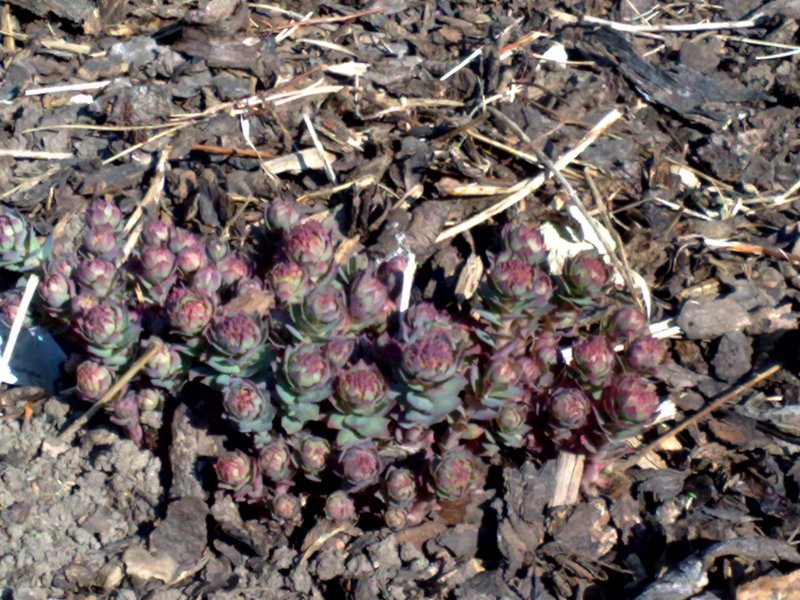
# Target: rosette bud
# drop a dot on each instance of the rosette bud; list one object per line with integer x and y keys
{"x": 360, "y": 466}
{"x": 108, "y": 332}
{"x": 208, "y": 279}
{"x": 180, "y": 239}
{"x": 339, "y": 351}
{"x": 340, "y": 507}
{"x": 525, "y": 242}
{"x": 289, "y": 282}
{"x": 93, "y": 379}
{"x": 546, "y": 350}
{"x": 190, "y": 311}
{"x": 216, "y": 249}
{"x": 10, "y": 302}
{"x": 395, "y": 518}
{"x": 103, "y": 212}
{"x": 20, "y": 249}
{"x": 594, "y": 360}
{"x": 156, "y": 233}
{"x": 237, "y": 472}
{"x": 248, "y": 405}
{"x": 455, "y": 474}
{"x": 125, "y": 413}
{"x": 510, "y": 425}
{"x": 369, "y": 302}
{"x": 569, "y": 408}
{"x": 83, "y": 303}
{"x": 514, "y": 288}
{"x": 100, "y": 240}
{"x": 627, "y": 405}
{"x": 647, "y": 354}
{"x": 191, "y": 258}
{"x": 287, "y": 510}
{"x": 157, "y": 264}
{"x": 249, "y": 285}
{"x": 362, "y": 400}
{"x": 585, "y": 276}
{"x": 239, "y": 340}
{"x": 61, "y": 266}
{"x": 232, "y": 269}
{"x": 304, "y": 382}
{"x": 313, "y": 453}
{"x": 321, "y": 315}
{"x": 96, "y": 275}
{"x": 166, "y": 367}
{"x": 56, "y": 290}
{"x": 276, "y": 461}
{"x": 282, "y": 215}
{"x": 400, "y": 487}
{"x": 309, "y": 245}
{"x": 150, "y": 399}
{"x": 627, "y": 324}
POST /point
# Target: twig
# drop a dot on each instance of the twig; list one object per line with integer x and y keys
{"x": 700, "y": 415}
{"x": 533, "y": 183}
{"x": 755, "y": 249}
{"x": 681, "y": 28}
{"x": 151, "y": 197}
{"x": 8, "y": 40}
{"x": 324, "y": 20}
{"x": 35, "y": 154}
{"x": 71, "y": 87}
{"x": 49, "y": 43}
{"x": 228, "y": 151}
{"x": 16, "y": 326}
{"x": 329, "y": 172}
{"x": 65, "y": 437}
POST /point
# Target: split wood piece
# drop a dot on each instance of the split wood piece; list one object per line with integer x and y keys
{"x": 699, "y": 416}
{"x": 34, "y": 154}
{"x": 569, "y": 472}
{"x": 534, "y": 183}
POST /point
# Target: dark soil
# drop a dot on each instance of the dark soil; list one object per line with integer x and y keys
{"x": 220, "y": 91}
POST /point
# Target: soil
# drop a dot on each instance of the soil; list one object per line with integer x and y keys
{"x": 699, "y": 178}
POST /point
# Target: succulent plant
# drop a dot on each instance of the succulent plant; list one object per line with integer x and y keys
{"x": 309, "y": 245}
{"x": 96, "y": 276}
{"x": 238, "y": 472}
{"x": 189, "y": 311}
{"x": 208, "y": 279}
{"x": 369, "y": 302}
{"x": 362, "y": 400}
{"x": 455, "y": 474}
{"x": 20, "y": 249}
{"x": 360, "y": 466}
{"x": 282, "y": 215}
{"x": 515, "y": 289}
{"x": 313, "y": 455}
{"x": 400, "y": 487}
{"x": 125, "y": 413}
{"x": 287, "y": 510}
{"x": 156, "y": 233}
{"x": 248, "y": 406}
{"x": 627, "y": 406}
{"x": 594, "y": 360}
{"x": 93, "y": 380}
{"x": 304, "y": 381}
{"x": 191, "y": 258}
{"x": 510, "y": 427}
{"x": 497, "y": 383}
{"x": 339, "y": 506}
{"x": 108, "y": 332}
{"x": 276, "y": 461}
{"x": 395, "y": 518}
{"x": 238, "y": 344}
{"x": 321, "y": 316}
{"x": 585, "y": 277}
{"x": 627, "y": 324}
{"x": 569, "y": 409}
{"x": 150, "y": 399}
{"x": 289, "y": 282}
{"x": 103, "y": 212}
{"x": 429, "y": 374}
{"x": 646, "y": 354}
{"x": 339, "y": 351}
{"x": 101, "y": 240}
{"x": 525, "y": 242}
{"x": 232, "y": 269}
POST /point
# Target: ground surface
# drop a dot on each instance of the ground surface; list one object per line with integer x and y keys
{"x": 706, "y": 150}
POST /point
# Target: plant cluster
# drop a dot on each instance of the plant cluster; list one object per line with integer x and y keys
{"x": 337, "y": 393}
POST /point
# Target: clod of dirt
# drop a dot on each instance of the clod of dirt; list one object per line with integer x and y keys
{"x": 733, "y": 357}
{"x": 522, "y": 529}
{"x": 707, "y": 320}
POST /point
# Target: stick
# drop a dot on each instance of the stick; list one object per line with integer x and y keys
{"x": 16, "y": 326}
{"x": 688, "y": 27}
{"x": 65, "y": 437}
{"x": 700, "y": 415}
{"x": 533, "y": 183}
{"x": 72, "y": 87}
{"x": 34, "y": 154}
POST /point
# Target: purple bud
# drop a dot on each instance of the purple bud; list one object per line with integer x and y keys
{"x": 96, "y": 275}
{"x": 431, "y": 359}
{"x": 546, "y": 351}
{"x": 400, "y": 486}
{"x": 190, "y": 311}
{"x": 360, "y": 390}
{"x": 103, "y": 212}
{"x": 502, "y": 372}
{"x": 339, "y": 350}
{"x": 125, "y": 410}
{"x": 289, "y": 282}
{"x": 275, "y": 460}
{"x": 105, "y": 325}
{"x": 324, "y": 305}
{"x": 395, "y": 518}
{"x": 157, "y": 264}
{"x": 249, "y": 285}
{"x": 165, "y": 364}
{"x": 646, "y": 354}
{"x": 586, "y": 275}
{"x": 235, "y": 471}
{"x": 232, "y": 269}
{"x": 191, "y": 258}
{"x": 282, "y": 214}
{"x": 512, "y": 276}
{"x": 455, "y": 474}
{"x": 309, "y": 245}
{"x": 208, "y": 279}
{"x": 61, "y": 266}
{"x": 244, "y": 401}
{"x": 392, "y": 272}
{"x": 627, "y": 324}
{"x": 512, "y": 417}
{"x": 216, "y": 249}
{"x": 56, "y": 290}
{"x": 525, "y": 242}
{"x": 149, "y": 399}
{"x": 369, "y": 300}
{"x": 340, "y": 507}
{"x": 306, "y": 367}
{"x": 569, "y": 408}
{"x": 529, "y": 370}
{"x": 94, "y": 379}
{"x": 100, "y": 239}
{"x": 156, "y": 233}
{"x": 360, "y": 466}
{"x": 314, "y": 453}
{"x": 10, "y": 302}
{"x": 286, "y": 508}
{"x": 628, "y": 400}
{"x": 237, "y": 334}
{"x": 180, "y": 239}
{"x": 594, "y": 359}
{"x": 83, "y": 303}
